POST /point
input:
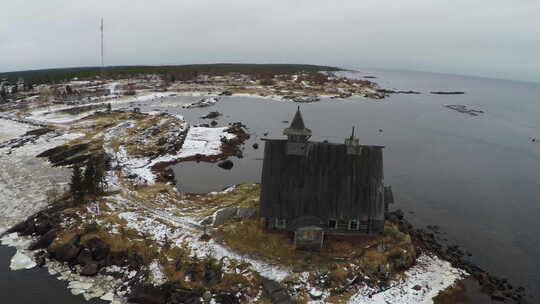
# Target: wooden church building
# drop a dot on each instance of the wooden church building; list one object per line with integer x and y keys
{"x": 315, "y": 189}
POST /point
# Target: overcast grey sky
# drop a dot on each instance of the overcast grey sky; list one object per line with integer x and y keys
{"x": 493, "y": 38}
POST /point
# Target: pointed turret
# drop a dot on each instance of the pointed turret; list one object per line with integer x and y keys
{"x": 297, "y": 135}
{"x": 297, "y": 131}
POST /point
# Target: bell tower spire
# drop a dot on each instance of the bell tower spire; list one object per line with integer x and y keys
{"x": 297, "y": 135}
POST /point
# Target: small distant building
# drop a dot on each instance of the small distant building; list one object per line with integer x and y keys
{"x": 318, "y": 189}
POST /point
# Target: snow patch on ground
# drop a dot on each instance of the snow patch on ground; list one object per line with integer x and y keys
{"x": 10, "y": 129}
{"x": 25, "y": 178}
{"x": 52, "y": 114}
{"x": 204, "y": 141}
{"x": 430, "y": 276}
{"x": 56, "y": 117}
{"x": 199, "y": 140}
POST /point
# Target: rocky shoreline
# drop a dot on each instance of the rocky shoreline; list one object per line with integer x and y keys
{"x": 229, "y": 147}
{"x": 499, "y": 289}
{"x": 90, "y": 257}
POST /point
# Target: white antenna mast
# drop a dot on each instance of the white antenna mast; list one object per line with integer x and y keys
{"x": 102, "y": 62}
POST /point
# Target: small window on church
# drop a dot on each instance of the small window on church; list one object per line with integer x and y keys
{"x": 353, "y": 225}
{"x": 332, "y": 224}
{"x": 281, "y": 223}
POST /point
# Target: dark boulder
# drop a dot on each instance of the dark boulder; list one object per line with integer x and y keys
{"x": 497, "y": 296}
{"x": 117, "y": 258}
{"x": 42, "y": 225}
{"x": 135, "y": 261}
{"x": 66, "y": 253}
{"x": 213, "y": 123}
{"x": 148, "y": 295}
{"x": 20, "y": 227}
{"x": 85, "y": 257}
{"x": 99, "y": 249}
{"x": 185, "y": 296}
{"x": 40, "y": 257}
{"x": 226, "y": 298}
{"x": 90, "y": 269}
{"x": 212, "y": 115}
{"x": 227, "y": 165}
{"x": 44, "y": 241}
{"x": 30, "y": 229}
{"x": 276, "y": 292}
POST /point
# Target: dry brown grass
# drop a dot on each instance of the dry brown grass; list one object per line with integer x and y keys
{"x": 338, "y": 277}
{"x": 157, "y": 196}
{"x": 246, "y": 196}
{"x": 115, "y": 144}
{"x": 249, "y": 237}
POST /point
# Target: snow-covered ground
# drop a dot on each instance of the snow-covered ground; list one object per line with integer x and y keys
{"x": 10, "y": 129}
{"x": 420, "y": 284}
{"x": 52, "y": 114}
{"x": 151, "y": 223}
{"x": 199, "y": 140}
{"x": 204, "y": 141}
{"x": 25, "y": 178}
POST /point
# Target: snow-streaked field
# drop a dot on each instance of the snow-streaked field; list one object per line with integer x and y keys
{"x": 25, "y": 178}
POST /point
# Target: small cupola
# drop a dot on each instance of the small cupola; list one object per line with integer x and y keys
{"x": 297, "y": 135}
{"x": 353, "y": 145}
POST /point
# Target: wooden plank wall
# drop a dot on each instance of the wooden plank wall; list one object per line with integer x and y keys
{"x": 326, "y": 183}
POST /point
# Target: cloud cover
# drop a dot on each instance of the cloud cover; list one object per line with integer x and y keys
{"x": 495, "y": 38}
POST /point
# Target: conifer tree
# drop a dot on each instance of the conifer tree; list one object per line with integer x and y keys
{"x": 76, "y": 187}
{"x": 89, "y": 183}
{"x": 99, "y": 175}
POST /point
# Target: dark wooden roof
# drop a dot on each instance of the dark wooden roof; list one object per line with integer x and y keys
{"x": 298, "y": 121}
{"x": 326, "y": 183}
{"x": 297, "y": 126}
